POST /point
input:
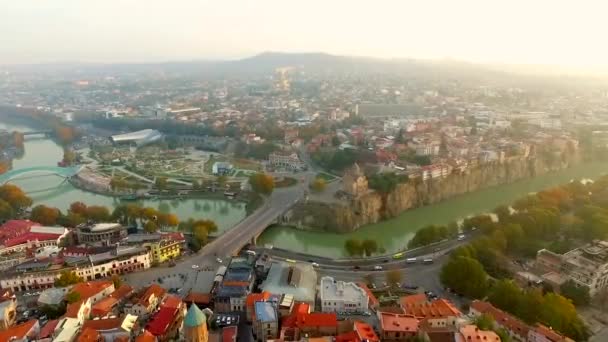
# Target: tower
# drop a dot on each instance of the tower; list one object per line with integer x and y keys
{"x": 195, "y": 325}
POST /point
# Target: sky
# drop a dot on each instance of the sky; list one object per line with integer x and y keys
{"x": 556, "y": 32}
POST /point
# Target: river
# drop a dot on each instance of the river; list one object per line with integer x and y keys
{"x": 52, "y": 191}
{"x": 394, "y": 234}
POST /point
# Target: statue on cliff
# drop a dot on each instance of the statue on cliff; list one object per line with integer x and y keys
{"x": 355, "y": 182}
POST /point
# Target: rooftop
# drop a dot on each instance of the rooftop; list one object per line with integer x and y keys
{"x": 229, "y": 334}
{"x": 333, "y": 290}
{"x": 48, "y": 329}
{"x": 153, "y": 289}
{"x": 472, "y": 333}
{"x": 161, "y": 321}
{"x": 91, "y": 288}
{"x": 103, "y": 307}
{"x": 19, "y": 331}
{"x": 502, "y": 318}
{"x": 265, "y": 312}
{"x": 434, "y": 309}
{"x": 299, "y": 280}
{"x": 194, "y": 317}
{"x": 397, "y": 322}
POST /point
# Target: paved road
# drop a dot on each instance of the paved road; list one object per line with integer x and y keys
{"x": 226, "y": 244}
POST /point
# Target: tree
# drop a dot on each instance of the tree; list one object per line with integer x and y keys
{"x": 484, "y": 322}
{"x": 394, "y": 277}
{"x": 78, "y": 208}
{"x": 262, "y": 183}
{"x": 98, "y": 213}
{"x": 150, "y": 227}
{"x": 385, "y": 183}
{"x": 369, "y": 246}
{"x": 73, "y": 220}
{"x": 502, "y": 212}
{"x": 505, "y": 295}
{"x": 335, "y": 141}
{"x": 353, "y": 247}
{"x": 72, "y": 297}
{"x": 67, "y": 278}
{"x": 117, "y": 281}
{"x": 560, "y": 314}
{"x": 45, "y": 215}
{"x": 579, "y": 295}
{"x": 318, "y": 184}
{"x": 161, "y": 183}
{"x": 6, "y": 211}
{"x": 428, "y": 235}
{"x": 15, "y": 196}
{"x": 69, "y": 156}
{"x": 465, "y": 276}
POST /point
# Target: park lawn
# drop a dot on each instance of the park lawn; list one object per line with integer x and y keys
{"x": 286, "y": 182}
{"x": 245, "y": 164}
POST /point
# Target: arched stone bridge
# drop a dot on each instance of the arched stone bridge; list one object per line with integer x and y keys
{"x": 65, "y": 172}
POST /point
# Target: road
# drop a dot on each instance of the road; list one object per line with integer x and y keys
{"x": 225, "y": 245}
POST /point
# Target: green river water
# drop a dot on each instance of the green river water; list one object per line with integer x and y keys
{"x": 51, "y": 191}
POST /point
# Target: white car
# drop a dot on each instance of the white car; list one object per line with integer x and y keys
{"x": 218, "y": 260}
{"x": 377, "y": 268}
{"x": 194, "y": 267}
{"x": 314, "y": 264}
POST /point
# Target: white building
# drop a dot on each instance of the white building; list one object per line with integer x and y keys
{"x": 289, "y": 161}
{"x": 338, "y": 296}
{"x": 588, "y": 266}
{"x": 430, "y": 149}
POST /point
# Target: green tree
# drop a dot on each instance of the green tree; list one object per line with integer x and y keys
{"x": 385, "y": 183}
{"x": 262, "y": 183}
{"x": 505, "y": 295}
{"x": 6, "y": 211}
{"x": 98, "y": 213}
{"x": 161, "y": 183}
{"x": 150, "y": 227}
{"x": 72, "y": 297}
{"x": 579, "y": 295}
{"x": 67, "y": 278}
{"x": 354, "y": 247}
{"x": 484, "y": 322}
{"x": 394, "y": 277}
{"x": 369, "y": 246}
{"x": 502, "y": 212}
{"x": 465, "y": 276}
{"x": 560, "y": 314}
{"x": 45, "y": 215}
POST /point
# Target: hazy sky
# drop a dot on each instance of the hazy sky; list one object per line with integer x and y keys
{"x": 513, "y": 31}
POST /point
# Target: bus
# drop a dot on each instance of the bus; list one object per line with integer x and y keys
{"x": 398, "y": 255}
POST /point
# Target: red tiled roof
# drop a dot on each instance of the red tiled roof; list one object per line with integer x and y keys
{"x": 397, "y": 322}
{"x": 366, "y": 332}
{"x": 103, "y": 307}
{"x": 297, "y": 310}
{"x": 502, "y": 318}
{"x": 173, "y": 302}
{"x": 317, "y": 319}
{"x": 145, "y": 337}
{"x": 434, "y": 309}
{"x": 198, "y": 298}
{"x": 19, "y": 331}
{"x": 257, "y": 297}
{"x": 350, "y": 336}
{"x": 161, "y": 321}
{"x": 91, "y": 288}
{"x": 103, "y": 324}
{"x": 472, "y": 333}
{"x": 174, "y": 236}
{"x": 550, "y": 333}
{"x": 29, "y": 236}
{"x": 14, "y": 228}
{"x": 229, "y": 334}
{"x": 48, "y": 329}
{"x": 89, "y": 335}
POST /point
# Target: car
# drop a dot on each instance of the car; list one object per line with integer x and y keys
{"x": 373, "y": 286}
{"x": 356, "y": 268}
{"x": 195, "y": 267}
{"x": 461, "y": 237}
{"x": 377, "y": 268}
{"x": 385, "y": 261}
{"x": 411, "y": 260}
{"x": 314, "y": 264}
{"x": 219, "y": 260}
{"x": 427, "y": 261}
{"x": 410, "y": 287}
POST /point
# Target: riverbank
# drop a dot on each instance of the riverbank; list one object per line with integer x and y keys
{"x": 393, "y": 234}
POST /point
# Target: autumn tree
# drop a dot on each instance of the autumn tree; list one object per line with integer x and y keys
{"x": 150, "y": 227}
{"x": 262, "y": 183}
{"x": 15, "y": 196}
{"x": 98, "y": 213}
{"x": 394, "y": 277}
{"x": 45, "y": 215}
{"x": 318, "y": 184}
{"x": 67, "y": 278}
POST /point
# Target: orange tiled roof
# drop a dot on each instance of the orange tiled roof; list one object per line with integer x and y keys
{"x": 19, "y": 331}
{"x": 173, "y": 302}
{"x": 257, "y": 297}
{"x": 91, "y": 288}
{"x": 502, "y": 318}
{"x": 145, "y": 337}
{"x": 372, "y": 298}
{"x": 153, "y": 289}
{"x": 413, "y": 299}
{"x": 472, "y": 333}
{"x": 89, "y": 335}
{"x": 103, "y": 307}
{"x": 318, "y": 319}
{"x": 434, "y": 309}
{"x": 123, "y": 291}
{"x": 397, "y": 322}
{"x": 366, "y": 332}
{"x": 73, "y": 308}
{"x": 103, "y": 324}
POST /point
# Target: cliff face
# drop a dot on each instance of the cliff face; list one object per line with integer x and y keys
{"x": 373, "y": 207}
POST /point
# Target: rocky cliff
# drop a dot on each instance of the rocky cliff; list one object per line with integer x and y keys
{"x": 373, "y": 207}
